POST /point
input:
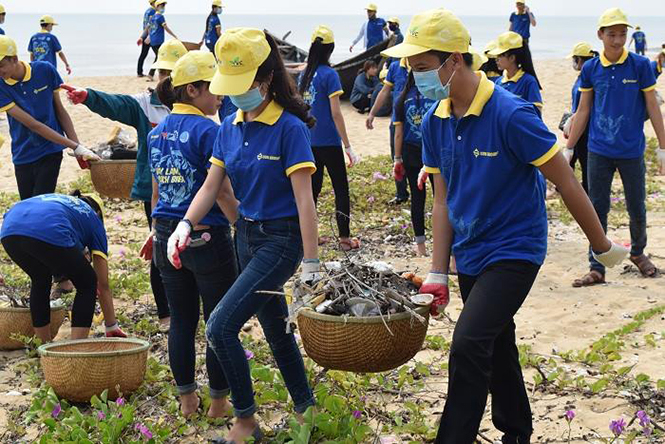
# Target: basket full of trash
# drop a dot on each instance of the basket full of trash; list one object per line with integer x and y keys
{"x": 113, "y": 176}
{"x": 362, "y": 318}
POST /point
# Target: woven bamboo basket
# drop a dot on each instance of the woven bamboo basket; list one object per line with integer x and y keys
{"x": 361, "y": 345}
{"x": 113, "y": 178}
{"x": 79, "y": 369}
{"x": 18, "y": 321}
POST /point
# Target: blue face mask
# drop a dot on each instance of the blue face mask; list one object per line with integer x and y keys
{"x": 161, "y": 9}
{"x": 248, "y": 101}
{"x": 429, "y": 83}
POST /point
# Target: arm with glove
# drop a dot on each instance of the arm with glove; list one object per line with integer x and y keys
{"x": 398, "y": 164}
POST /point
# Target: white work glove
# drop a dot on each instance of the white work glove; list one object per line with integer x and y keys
{"x": 84, "y": 153}
{"x": 568, "y": 154}
{"x": 311, "y": 271}
{"x": 178, "y": 241}
{"x": 616, "y": 254}
{"x": 353, "y": 158}
{"x": 660, "y": 156}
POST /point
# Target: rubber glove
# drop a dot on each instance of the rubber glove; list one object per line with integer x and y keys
{"x": 75, "y": 95}
{"x": 353, "y": 158}
{"x": 178, "y": 241}
{"x": 85, "y": 153}
{"x": 311, "y": 271}
{"x": 613, "y": 257}
{"x": 422, "y": 178}
{"x": 146, "y": 249}
{"x": 436, "y": 284}
{"x": 114, "y": 331}
{"x": 660, "y": 156}
{"x": 398, "y": 169}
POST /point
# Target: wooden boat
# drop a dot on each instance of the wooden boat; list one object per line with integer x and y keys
{"x": 290, "y": 53}
{"x": 348, "y": 69}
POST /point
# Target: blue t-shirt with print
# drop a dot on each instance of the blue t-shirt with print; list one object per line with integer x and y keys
{"x": 147, "y": 15}
{"x": 211, "y": 36}
{"x": 616, "y": 128}
{"x": 44, "y": 46}
{"x": 180, "y": 148}
{"x": 157, "y": 23}
{"x": 325, "y": 84}
{"x": 521, "y": 24}
{"x": 57, "y": 219}
{"x": 524, "y": 86}
{"x": 640, "y": 40}
{"x": 375, "y": 31}
{"x": 259, "y": 157}
{"x": 34, "y": 95}
{"x": 416, "y": 107}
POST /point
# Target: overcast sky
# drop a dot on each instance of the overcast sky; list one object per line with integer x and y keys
{"x": 460, "y": 7}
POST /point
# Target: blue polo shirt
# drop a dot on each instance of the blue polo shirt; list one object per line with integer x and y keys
{"x": 2, "y": 31}
{"x": 616, "y": 128}
{"x": 44, "y": 46}
{"x": 34, "y": 95}
{"x": 576, "y": 94}
{"x": 397, "y": 76}
{"x": 415, "y": 108}
{"x": 260, "y": 156}
{"x": 657, "y": 69}
{"x": 157, "y": 23}
{"x": 211, "y": 36}
{"x": 489, "y": 160}
{"x": 226, "y": 109}
{"x": 147, "y": 15}
{"x": 640, "y": 40}
{"x": 521, "y": 24}
{"x": 375, "y": 31}
{"x": 179, "y": 149}
{"x": 523, "y": 85}
{"x": 324, "y": 86}
{"x": 57, "y": 219}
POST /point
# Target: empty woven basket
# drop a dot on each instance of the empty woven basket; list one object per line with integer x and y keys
{"x": 362, "y": 345}
{"x": 18, "y": 321}
{"x": 113, "y": 178}
{"x": 79, "y": 369}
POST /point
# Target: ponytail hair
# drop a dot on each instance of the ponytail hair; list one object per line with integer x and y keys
{"x": 282, "y": 87}
{"x": 319, "y": 54}
{"x": 169, "y": 95}
{"x": 90, "y": 201}
{"x": 523, "y": 61}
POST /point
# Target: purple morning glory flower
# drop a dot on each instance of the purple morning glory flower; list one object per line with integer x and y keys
{"x": 120, "y": 401}
{"x": 57, "y": 409}
{"x": 645, "y": 421}
{"x": 249, "y": 355}
{"x": 101, "y": 415}
{"x": 379, "y": 176}
{"x": 356, "y": 414}
{"x": 570, "y": 415}
{"x": 145, "y": 431}
{"x": 617, "y": 426}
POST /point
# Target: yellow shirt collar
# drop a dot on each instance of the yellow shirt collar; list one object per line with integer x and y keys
{"x": 43, "y": 31}
{"x": 518, "y": 75}
{"x": 183, "y": 108}
{"x": 27, "y": 77}
{"x": 269, "y": 116}
{"x": 606, "y": 63}
{"x": 483, "y": 95}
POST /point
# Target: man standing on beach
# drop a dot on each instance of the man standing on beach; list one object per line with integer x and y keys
{"x": 44, "y": 46}
{"x": 145, "y": 46}
{"x": 640, "y": 40}
{"x": 373, "y": 31}
{"x": 522, "y": 21}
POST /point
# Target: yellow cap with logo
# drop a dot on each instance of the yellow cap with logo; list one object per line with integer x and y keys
{"x": 217, "y": 3}
{"x": 2, "y": 9}
{"x": 160, "y": 2}
{"x": 47, "y": 20}
{"x": 371, "y": 7}
{"x": 192, "y": 67}
{"x": 435, "y": 30}
{"x": 7, "y": 47}
{"x": 612, "y": 17}
{"x": 169, "y": 53}
{"x": 488, "y": 48}
{"x": 325, "y": 34}
{"x": 582, "y": 49}
{"x": 240, "y": 52}
{"x": 394, "y": 20}
{"x": 507, "y": 41}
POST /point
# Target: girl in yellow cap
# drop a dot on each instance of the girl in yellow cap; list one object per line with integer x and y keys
{"x": 265, "y": 152}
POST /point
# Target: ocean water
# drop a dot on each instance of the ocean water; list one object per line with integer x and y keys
{"x": 105, "y": 44}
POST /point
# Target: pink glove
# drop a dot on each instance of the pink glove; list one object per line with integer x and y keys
{"x": 75, "y": 95}
{"x": 399, "y": 171}
{"x": 436, "y": 284}
{"x": 146, "y": 249}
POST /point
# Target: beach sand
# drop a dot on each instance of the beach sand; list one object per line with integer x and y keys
{"x": 555, "y": 316}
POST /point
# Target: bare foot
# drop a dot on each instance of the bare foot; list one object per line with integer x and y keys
{"x": 220, "y": 408}
{"x": 421, "y": 249}
{"x": 242, "y": 429}
{"x": 189, "y": 404}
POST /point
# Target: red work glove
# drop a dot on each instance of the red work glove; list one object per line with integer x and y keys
{"x": 75, "y": 95}
{"x": 146, "y": 249}
{"x": 422, "y": 178}
{"x": 436, "y": 284}
{"x": 114, "y": 331}
{"x": 139, "y": 42}
{"x": 398, "y": 170}
{"x": 84, "y": 164}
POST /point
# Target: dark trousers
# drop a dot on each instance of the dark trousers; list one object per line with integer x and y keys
{"x": 155, "y": 49}
{"x": 39, "y": 177}
{"x": 401, "y": 191}
{"x": 362, "y": 103}
{"x": 412, "y": 156}
{"x": 484, "y": 356}
{"x": 207, "y": 272}
{"x": 640, "y": 51}
{"x": 40, "y": 261}
{"x": 633, "y": 177}
{"x": 581, "y": 154}
{"x": 156, "y": 283}
{"x": 145, "y": 49}
{"x": 332, "y": 159}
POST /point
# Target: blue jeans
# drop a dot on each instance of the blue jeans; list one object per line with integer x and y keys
{"x": 270, "y": 253}
{"x": 633, "y": 172}
{"x": 207, "y": 272}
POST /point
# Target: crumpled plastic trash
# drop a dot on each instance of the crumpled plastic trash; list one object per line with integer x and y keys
{"x": 380, "y": 266}
{"x": 361, "y": 307}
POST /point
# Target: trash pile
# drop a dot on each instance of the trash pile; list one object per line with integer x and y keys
{"x": 13, "y": 298}
{"x": 120, "y": 145}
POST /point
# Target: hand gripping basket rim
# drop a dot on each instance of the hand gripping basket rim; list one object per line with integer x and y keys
{"x": 45, "y": 351}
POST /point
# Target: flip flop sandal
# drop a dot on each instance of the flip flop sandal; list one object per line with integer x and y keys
{"x": 590, "y": 279}
{"x": 257, "y": 435}
{"x": 644, "y": 264}
{"x": 348, "y": 245}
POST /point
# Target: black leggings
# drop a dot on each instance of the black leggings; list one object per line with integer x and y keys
{"x": 332, "y": 158}
{"x": 156, "y": 278}
{"x": 39, "y": 177}
{"x": 145, "y": 50}
{"x": 412, "y": 156}
{"x": 484, "y": 357}
{"x": 41, "y": 260}
{"x": 155, "y": 49}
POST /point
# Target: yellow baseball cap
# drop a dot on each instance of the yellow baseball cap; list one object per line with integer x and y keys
{"x": 47, "y": 20}
{"x": 2, "y": 9}
{"x": 240, "y": 52}
{"x": 169, "y": 53}
{"x": 160, "y": 2}
{"x": 217, "y": 3}
{"x": 393, "y": 20}
{"x": 488, "y": 48}
{"x": 371, "y": 7}
{"x": 194, "y": 66}
{"x": 438, "y": 30}
{"x": 325, "y": 34}
{"x": 479, "y": 59}
{"x": 507, "y": 41}
{"x": 7, "y": 47}
{"x": 612, "y": 17}
{"x": 98, "y": 200}
{"x": 582, "y": 49}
